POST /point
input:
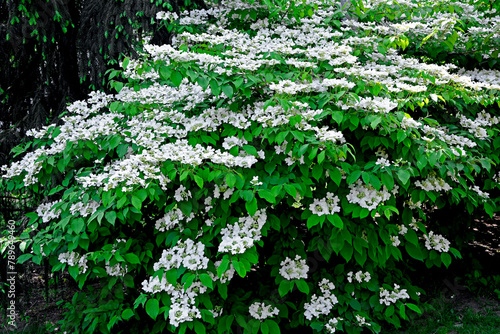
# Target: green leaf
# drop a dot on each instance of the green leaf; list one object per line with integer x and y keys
{"x": 132, "y": 258}
{"x": 23, "y": 258}
{"x": 446, "y": 259}
{"x": 302, "y": 286}
{"x": 239, "y": 267}
{"x": 414, "y": 251}
{"x": 336, "y": 221}
{"x": 250, "y": 149}
{"x": 264, "y": 328}
{"x": 355, "y": 304}
{"x": 251, "y": 206}
{"x": 387, "y": 180}
{"x": 137, "y": 203}
{"x": 321, "y": 156}
{"x": 347, "y": 252}
{"x": 176, "y": 78}
{"x": 214, "y": 86}
{"x": 206, "y": 280}
{"x": 284, "y": 287}
{"x": 317, "y": 171}
{"x": 142, "y": 194}
{"x": 273, "y": 327}
{"x": 164, "y": 72}
{"x": 199, "y": 181}
{"x": 414, "y": 308}
{"x": 152, "y": 308}
{"x": 223, "y": 266}
{"x": 354, "y": 176}
{"x": 336, "y": 176}
{"x": 199, "y": 328}
{"x": 77, "y": 225}
{"x": 230, "y": 180}
{"x": 227, "y": 90}
{"x": 203, "y": 82}
{"x": 312, "y": 221}
{"x": 403, "y": 176}
{"x": 110, "y": 217}
{"x": 127, "y": 314}
{"x": 267, "y": 195}
{"x": 129, "y": 281}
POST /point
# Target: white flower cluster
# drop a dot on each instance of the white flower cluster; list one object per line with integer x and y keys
{"x": 46, "y": 212}
{"x": 327, "y": 135}
{"x": 84, "y": 209}
{"x": 274, "y": 116}
{"x": 185, "y": 253}
{"x": 325, "y": 206}
{"x": 116, "y": 270}
{"x": 481, "y": 193}
{"x": 387, "y": 297}
{"x": 383, "y": 162}
{"x": 224, "y": 190}
{"x": 229, "y": 142}
{"x": 321, "y": 305}
{"x": 237, "y": 238}
{"x": 361, "y": 321}
{"x": 367, "y": 196}
{"x": 294, "y": 269}
{"x": 414, "y": 224}
{"x": 119, "y": 269}
{"x": 376, "y": 104}
{"x": 226, "y": 276}
{"x": 255, "y": 181}
{"x": 182, "y": 194}
{"x": 412, "y": 205}
{"x": 409, "y": 123}
{"x": 293, "y": 87}
{"x": 478, "y": 126}
{"x": 395, "y": 240}
{"x": 183, "y": 300}
{"x": 180, "y": 313}
{"x": 402, "y": 229}
{"x": 172, "y": 219}
{"x": 437, "y": 242}
{"x": 457, "y": 143}
{"x": 167, "y": 16}
{"x": 331, "y": 325}
{"x": 433, "y": 183}
{"x": 74, "y": 259}
{"x": 359, "y": 276}
{"x": 261, "y": 311}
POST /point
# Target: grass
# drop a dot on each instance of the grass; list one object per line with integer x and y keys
{"x": 462, "y": 315}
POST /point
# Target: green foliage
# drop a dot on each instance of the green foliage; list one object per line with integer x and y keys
{"x": 234, "y": 184}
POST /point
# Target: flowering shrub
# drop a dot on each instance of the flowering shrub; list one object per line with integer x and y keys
{"x": 276, "y": 167}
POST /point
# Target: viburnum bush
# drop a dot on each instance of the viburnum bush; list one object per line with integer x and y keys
{"x": 282, "y": 165}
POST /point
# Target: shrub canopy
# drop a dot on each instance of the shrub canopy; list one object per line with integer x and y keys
{"x": 281, "y": 165}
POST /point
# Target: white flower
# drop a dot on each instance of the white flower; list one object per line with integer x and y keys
{"x": 261, "y": 311}
{"x": 74, "y": 259}
{"x": 367, "y": 196}
{"x": 294, "y": 269}
{"x": 432, "y": 183}
{"x": 237, "y": 238}
{"x": 325, "y": 206}
{"x": 387, "y": 297}
{"x": 182, "y": 194}
{"x": 321, "y": 305}
{"x": 395, "y": 240}
{"x": 359, "y": 276}
{"x": 331, "y": 325}
{"x": 436, "y": 242}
